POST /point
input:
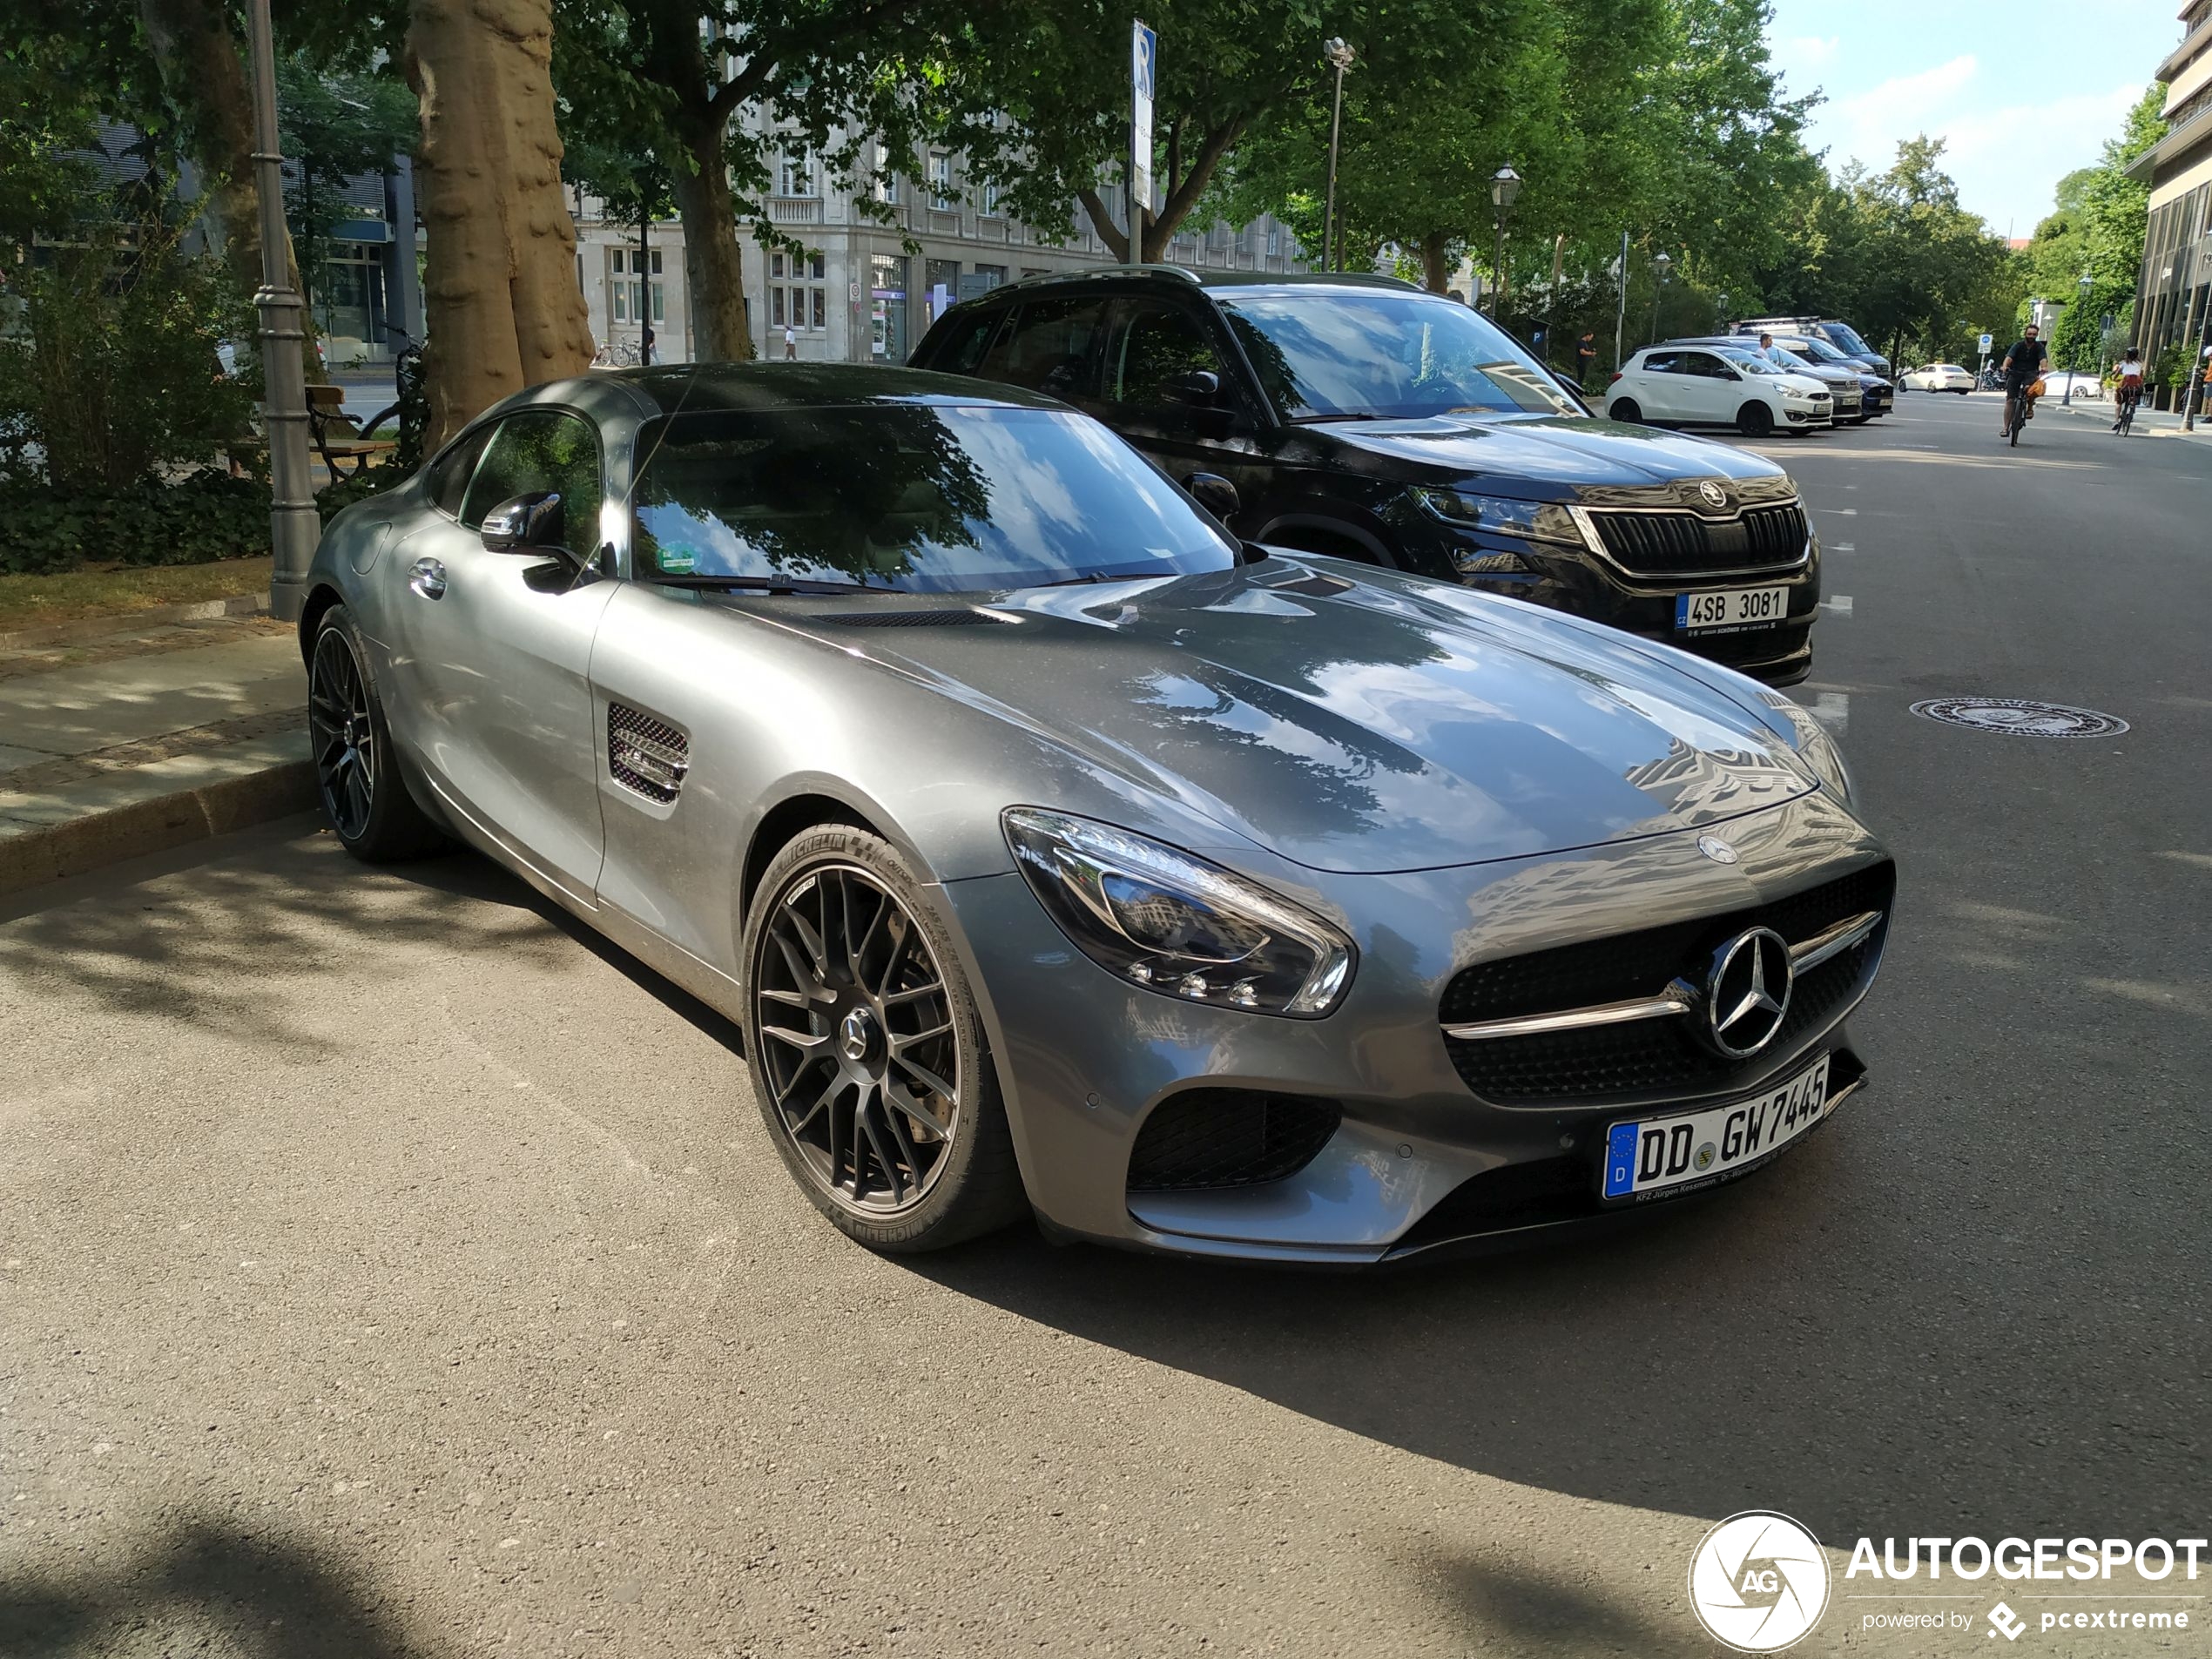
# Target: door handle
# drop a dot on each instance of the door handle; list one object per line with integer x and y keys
{"x": 428, "y": 577}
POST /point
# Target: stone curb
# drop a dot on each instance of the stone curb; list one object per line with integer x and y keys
{"x": 64, "y": 633}
{"x": 87, "y": 843}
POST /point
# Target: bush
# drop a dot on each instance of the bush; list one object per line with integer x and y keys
{"x": 199, "y": 519}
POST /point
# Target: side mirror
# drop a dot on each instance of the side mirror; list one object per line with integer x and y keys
{"x": 1198, "y": 388}
{"x": 531, "y": 524}
{"x": 1214, "y": 493}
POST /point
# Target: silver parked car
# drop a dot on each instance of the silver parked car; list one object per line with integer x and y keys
{"x": 1057, "y": 853}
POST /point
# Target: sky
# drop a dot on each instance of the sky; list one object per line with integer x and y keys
{"x": 2024, "y": 90}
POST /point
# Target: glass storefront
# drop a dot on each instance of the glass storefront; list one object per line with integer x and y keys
{"x": 940, "y": 287}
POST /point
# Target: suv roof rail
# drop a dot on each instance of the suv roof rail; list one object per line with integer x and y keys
{"x": 1183, "y": 272}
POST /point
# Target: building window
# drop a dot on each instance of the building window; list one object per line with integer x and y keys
{"x": 990, "y": 200}
{"x": 821, "y": 308}
{"x": 776, "y": 307}
{"x": 632, "y": 284}
{"x": 796, "y": 177}
{"x": 1274, "y": 240}
{"x": 940, "y": 181}
{"x": 814, "y": 266}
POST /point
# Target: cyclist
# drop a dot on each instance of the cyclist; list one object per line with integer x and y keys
{"x": 2131, "y": 389}
{"x": 2022, "y": 367}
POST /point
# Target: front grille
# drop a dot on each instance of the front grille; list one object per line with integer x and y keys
{"x": 1660, "y": 543}
{"x": 1650, "y": 1057}
{"x": 1228, "y": 1137}
{"x": 647, "y": 756}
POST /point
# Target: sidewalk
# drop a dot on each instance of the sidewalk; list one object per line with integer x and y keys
{"x": 2149, "y": 423}
{"x": 116, "y": 742}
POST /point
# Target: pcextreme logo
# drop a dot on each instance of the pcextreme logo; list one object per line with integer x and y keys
{"x": 1758, "y": 1582}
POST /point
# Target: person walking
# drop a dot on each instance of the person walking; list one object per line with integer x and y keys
{"x": 790, "y": 344}
{"x": 1586, "y": 357}
{"x": 2022, "y": 367}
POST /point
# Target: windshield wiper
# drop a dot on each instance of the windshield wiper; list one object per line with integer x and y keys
{"x": 1348, "y": 414}
{"x": 767, "y": 585}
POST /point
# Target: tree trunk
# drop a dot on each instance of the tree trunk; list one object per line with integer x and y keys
{"x": 1434, "y": 272}
{"x": 502, "y": 307}
{"x": 713, "y": 262}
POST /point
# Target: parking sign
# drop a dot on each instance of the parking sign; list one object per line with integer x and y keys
{"x": 1987, "y": 341}
{"x": 1144, "y": 53}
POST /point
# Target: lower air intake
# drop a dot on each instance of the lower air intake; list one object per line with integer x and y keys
{"x": 1228, "y": 1137}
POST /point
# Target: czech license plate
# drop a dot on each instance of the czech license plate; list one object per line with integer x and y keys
{"x": 1663, "y": 1154}
{"x": 1725, "y": 610}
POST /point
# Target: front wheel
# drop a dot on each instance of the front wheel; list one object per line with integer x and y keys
{"x": 868, "y": 1052}
{"x": 1626, "y": 410}
{"x": 350, "y": 742}
{"x": 1755, "y": 421}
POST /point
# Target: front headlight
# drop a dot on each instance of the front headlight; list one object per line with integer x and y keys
{"x": 1176, "y": 924}
{"x": 1815, "y": 748}
{"x": 1531, "y": 521}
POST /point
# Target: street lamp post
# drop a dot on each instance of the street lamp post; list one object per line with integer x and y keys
{"x": 1661, "y": 265}
{"x": 1339, "y": 58}
{"x": 294, "y": 526}
{"x": 1720, "y": 312}
{"x": 1504, "y": 185}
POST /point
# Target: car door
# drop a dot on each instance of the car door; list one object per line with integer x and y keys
{"x": 1153, "y": 348}
{"x": 495, "y": 654}
{"x": 1712, "y": 391}
{"x": 1660, "y": 386}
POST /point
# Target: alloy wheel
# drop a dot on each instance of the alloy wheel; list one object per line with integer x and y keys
{"x": 858, "y": 1050}
{"x": 341, "y": 735}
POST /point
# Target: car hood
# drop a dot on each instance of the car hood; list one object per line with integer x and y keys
{"x": 1348, "y": 721}
{"x": 1551, "y": 450}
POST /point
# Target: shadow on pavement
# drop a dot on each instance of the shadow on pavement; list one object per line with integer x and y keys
{"x": 1521, "y": 1613}
{"x": 202, "y": 1587}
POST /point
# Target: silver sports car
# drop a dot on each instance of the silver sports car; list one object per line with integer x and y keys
{"x": 1058, "y": 854}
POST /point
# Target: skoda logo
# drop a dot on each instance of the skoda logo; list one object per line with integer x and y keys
{"x": 1747, "y": 994}
{"x": 1714, "y": 495}
{"x": 1715, "y": 849}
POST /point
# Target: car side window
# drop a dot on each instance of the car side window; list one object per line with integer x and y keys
{"x": 1706, "y": 365}
{"x": 1053, "y": 348}
{"x": 968, "y": 340}
{"x": 1664, "y": 362}
{"x": 539, "y": 450}
{"x": 449, "y": 473}
{"x": 1156, "y": 347}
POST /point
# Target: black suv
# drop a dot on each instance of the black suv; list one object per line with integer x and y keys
{"x": 1366, "y": 418}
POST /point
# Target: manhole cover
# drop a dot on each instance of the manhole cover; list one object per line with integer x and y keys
{"x": 2022, "y": 717}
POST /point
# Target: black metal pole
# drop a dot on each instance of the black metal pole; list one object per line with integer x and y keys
{"x": 1497, "y": 269}
{"x": 1328, "y": 208}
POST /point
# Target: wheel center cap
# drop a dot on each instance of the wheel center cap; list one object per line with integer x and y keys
{"x": 856, "y": 1035}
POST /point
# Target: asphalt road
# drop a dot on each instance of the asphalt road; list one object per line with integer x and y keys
{"x": 387, "y": 1268}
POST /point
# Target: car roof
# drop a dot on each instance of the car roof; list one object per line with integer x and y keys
{"x": 708, "y": 388}
{"x": 1179, "y": 278}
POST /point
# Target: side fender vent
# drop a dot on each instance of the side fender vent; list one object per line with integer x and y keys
{"x": 646, "y": 756}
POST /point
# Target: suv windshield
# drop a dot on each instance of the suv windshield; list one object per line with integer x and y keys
{"x": 916, "y": 497}
{"x": 1321, "y": 354}
{"x": 1819, "y": 350}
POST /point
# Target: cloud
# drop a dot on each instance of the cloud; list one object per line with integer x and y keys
{"x": 2006, "y": 159}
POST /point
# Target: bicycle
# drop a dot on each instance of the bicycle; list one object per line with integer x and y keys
{"x": 2019, "y": 409}
{"x": 2129, "y": 397}
{"x": 412, "y": 410}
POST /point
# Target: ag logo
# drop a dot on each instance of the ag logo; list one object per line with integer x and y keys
{"x": 1758, "y": 1582}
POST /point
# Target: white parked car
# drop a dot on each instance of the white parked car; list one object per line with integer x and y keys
{"x": 2085, "y": 386}
{"x": 1717, "y": 386}
{"x": 1939, "y": 377}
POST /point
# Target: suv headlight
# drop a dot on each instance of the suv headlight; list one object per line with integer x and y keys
{"x": 1815, "y": 748}
{"x": 1176, "y": 924}
{"x": 1530, "y": 520}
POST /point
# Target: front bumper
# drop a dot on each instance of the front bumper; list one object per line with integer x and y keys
{"x": 1417, "y": 1160}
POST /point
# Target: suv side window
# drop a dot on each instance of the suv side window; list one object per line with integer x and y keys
{"x": 1157, "y": 345}
{"x": 539, "y": 450}
{"x": 449, "y": 473}
{"x": 1664, "y": 362}
{"x": 1054, "y": 348}
{"x": 968, "y": 339}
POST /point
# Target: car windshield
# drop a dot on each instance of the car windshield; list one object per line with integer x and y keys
{"x": 1819, "y": 350}
{"x": 919, "y": 498}
{"x": 1751, "y": 361}
{"x": 1784, "y": 357}
{"x": 1327, "y": 353}
{"x": 1843, "y": 334}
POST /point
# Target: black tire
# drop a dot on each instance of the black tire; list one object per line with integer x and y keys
{"x": 1626, "y": 410}
{"x": 357, "y": 771}
{"x": 1754, "y": 420}
{"x": 851, "y": 1002}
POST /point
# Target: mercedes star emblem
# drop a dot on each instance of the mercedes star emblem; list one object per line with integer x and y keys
{"x": 1715, "y": 849}
{"x": 1714, "y": 495}
{"x": 1747, "y": 995}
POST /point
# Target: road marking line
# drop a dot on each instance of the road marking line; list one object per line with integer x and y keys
{"x": 1840, "y": 605}
{"x": 1842, "y": 547}
{"x": 1832, "y": 710}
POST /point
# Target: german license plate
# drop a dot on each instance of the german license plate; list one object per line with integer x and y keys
{"x": 1725, "y": 610}
{"x": 1662, "y": 1154}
